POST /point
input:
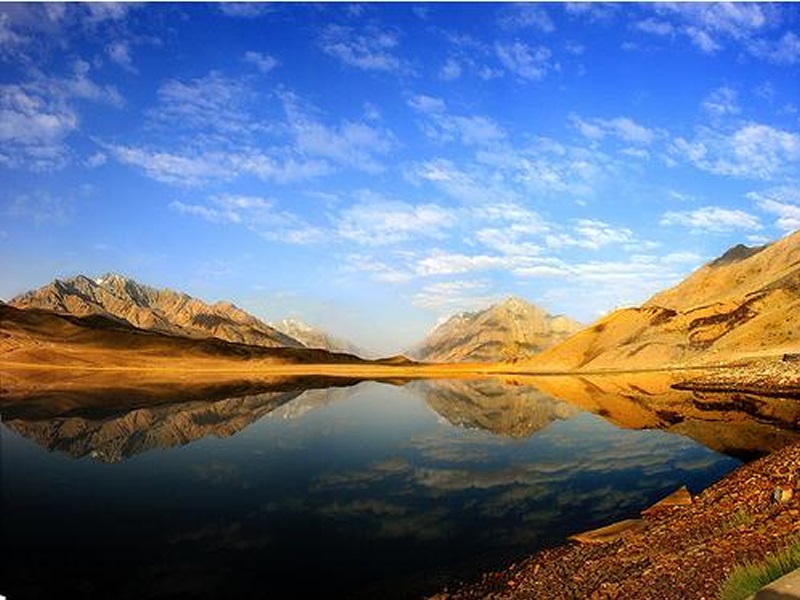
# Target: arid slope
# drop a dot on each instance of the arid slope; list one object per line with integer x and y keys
{"x": 742, "y": 304}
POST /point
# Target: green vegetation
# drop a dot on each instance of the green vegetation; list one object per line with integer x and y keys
{"x": 740, "y": 517}
{"x": 748, "y": 578}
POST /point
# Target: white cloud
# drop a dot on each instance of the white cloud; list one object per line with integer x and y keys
{"x": 523, "y": 16}
{"x": 655, "y": 26}
{"x": 81, "y": 86}
{"x": 427, "y": 104}
{"x": 263, "y": 62}
{"x": 722, "y": 102}
{"x": 255, "y": 213}
{"x": 623, "y": 128}
{"x": 245, "y": 10}
{"x": 350, "y": 143}
{"x": 441, "y": 262}
{"x": 451, "y": 70}
{"x": 378, "y": 222}
{"x": 708, "y": 25}
{"x": 175, "y": 168}
{"x": 753, "y": 150}
{"x": 466, "y": 187}
{"x": 785, "y": 51}
{"x": 379, "y": 270}
{"x": 448, "y": 297}
{"x": 212, "y": 103}
{"x": 119, "y": 51}
{"x": 712, "y": 219}
{"x": 201, "y": 168}
{"x": 442, "y": 126}
{"x": 781, "y": 201}
{"x": 590, "y": 234}
{"x": 34, "y": 125}
{"x": 97, "y": 159}
{"x": 524, "y": 61}
{"x": 372, "y": 50}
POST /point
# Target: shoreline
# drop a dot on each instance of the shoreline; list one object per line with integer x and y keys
{"x": 673, "y": 552}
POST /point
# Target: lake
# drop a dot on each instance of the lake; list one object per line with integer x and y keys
{"x": 371, "y": 489}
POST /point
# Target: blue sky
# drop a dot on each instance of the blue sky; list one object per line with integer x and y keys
{"x": 371, "y": 168}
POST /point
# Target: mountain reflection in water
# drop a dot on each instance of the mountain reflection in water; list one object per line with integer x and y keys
{"x": 286, "y": 488}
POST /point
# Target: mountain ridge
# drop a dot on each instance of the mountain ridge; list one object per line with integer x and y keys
{"x": 737, "y": 306}
{"x": 163, "y": 310}
{"x": 313, "y": 337}
{"x": 510, "y": 329}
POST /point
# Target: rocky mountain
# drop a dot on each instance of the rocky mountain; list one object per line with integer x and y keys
{"x": 153, "y": 309}
{"x": 743, "y": 304}
{"x": 311, "y": 337}
{"x": 513, "y": 329}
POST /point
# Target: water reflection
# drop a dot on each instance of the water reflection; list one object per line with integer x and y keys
{"x": 279, "y": 489}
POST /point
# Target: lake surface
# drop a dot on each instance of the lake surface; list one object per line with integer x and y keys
{"x": 362, "y": 491}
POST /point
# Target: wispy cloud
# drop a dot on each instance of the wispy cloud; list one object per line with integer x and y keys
{"x": 454, "y": 296}
{"x": 33, "y": 127}
{"x": 246, "y": 10}
{"x": 212, "y": 103}
{"x": 377, "y": 269}
{"x": 722, "y": 102}
{"x": 263, "y": 62}
{"x": 523, "y": 16}
{"x": 784, "y": 202}
{"x": 439, "y": 124}
{"x": 712, "y": 218}
{"x": 752, "y": 150}
{"x": 372, "y": 49}
{"x": 37, "y": 117}
{"x": 590, "y": 234}
{"x": 255, "y": 213}
{"x": 352, "y": 143}
{"x": 197, "y": 169}
{"x": 712, "y": 27}
{"x": 622, "y": 128}
{"x": 375, "y": 221}
{"x": 119, "y": 51}
{"x": 524, "y": 61}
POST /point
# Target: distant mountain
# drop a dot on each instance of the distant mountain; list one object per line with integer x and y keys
{"x": 311, "y": 337}
{"x": 153, "y": 309}
{"x": 745, "y": 303}
{"x": 513, "y": 329}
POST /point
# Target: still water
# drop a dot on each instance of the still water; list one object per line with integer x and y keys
{"x": 362, "y": 491}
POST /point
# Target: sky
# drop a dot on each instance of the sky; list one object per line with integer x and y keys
{"x": 373, "y": 168}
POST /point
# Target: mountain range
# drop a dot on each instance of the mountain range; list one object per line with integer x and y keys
{"x": 153, "y": 309}
{"x": 174, "y": 313}
{"x": 311, "y": 337}
{"x": 512, "y": 329}
{"x": 741, "y": 305}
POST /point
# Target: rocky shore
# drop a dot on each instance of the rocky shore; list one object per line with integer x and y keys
{"x": 683, "y": 551}
{"x": 779, "y": 377}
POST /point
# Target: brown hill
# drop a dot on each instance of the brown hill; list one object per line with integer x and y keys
{"x": 740, "y": 305}
{"x": 160, "y": 310}
{"x": 45, "y": 338}
{"x": 509, "y": 330}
